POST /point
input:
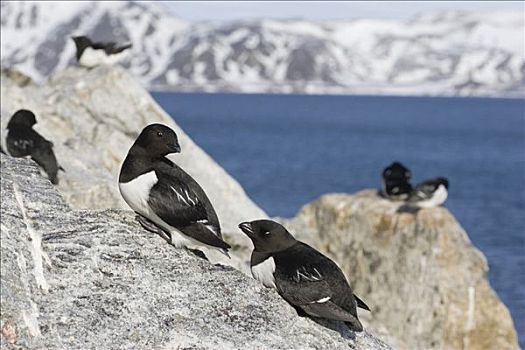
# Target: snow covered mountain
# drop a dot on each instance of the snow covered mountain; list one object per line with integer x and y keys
{"x": 447, "y": 53}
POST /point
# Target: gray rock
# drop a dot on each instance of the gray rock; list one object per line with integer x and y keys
{"x": 93, "y": 279}
{"x": 418, "y": 271}
{"x": 93, "y": 117}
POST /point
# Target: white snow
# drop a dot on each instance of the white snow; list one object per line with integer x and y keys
{"x": 433, "y": 53}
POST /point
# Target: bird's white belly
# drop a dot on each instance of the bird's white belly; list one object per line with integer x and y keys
{"x": 263, "y": 272}
{"x": 91, "y": 58}
{"x": 136, "y": 195}
{"x": 438, "y": 197}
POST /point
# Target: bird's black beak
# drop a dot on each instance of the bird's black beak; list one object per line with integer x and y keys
{"x": 246, "y": 227}
{"x": 174, "y": 148}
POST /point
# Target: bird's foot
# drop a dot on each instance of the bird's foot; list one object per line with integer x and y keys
{"x": 197, "y": 253}
{"x": 147, "y": 224}
{"x": 150, "y": 226}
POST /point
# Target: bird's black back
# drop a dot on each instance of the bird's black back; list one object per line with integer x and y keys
{"x": 313, "y": 266}
{"x": 397, "y": 187}
{"x": 22, "y": 141}
{"x": 110, "y": 48}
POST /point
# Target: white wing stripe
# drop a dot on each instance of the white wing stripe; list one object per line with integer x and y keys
{"x": 184, "y": 197}
{"x": 322, "y": 300}
{"x": 179, "y": 196}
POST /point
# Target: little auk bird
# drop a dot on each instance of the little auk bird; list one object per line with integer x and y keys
{"x": 396, "y": 182}
{"x": 167, "y": 200}
{"x": 309, "y": 281}
{"x": 23, "y": 141}
{"x": 429, "y": 193}
{"x": 91, "y": 54}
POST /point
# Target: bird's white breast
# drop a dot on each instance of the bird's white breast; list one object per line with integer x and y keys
{"x": 438, "y": 197}
{"x": 91, "y": 58}
{"x": 263, "y": 272}
{"x": 136, "y": 192}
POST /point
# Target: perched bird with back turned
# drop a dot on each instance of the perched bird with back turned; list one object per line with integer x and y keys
{"x": 312, "y": 283}
{"x": 168, "y": 201}
{"x": 430, "y": 193}
{"x": 91, "y": 54}
{"x": 396, "y": 182}
{"x": 23, "y": 141}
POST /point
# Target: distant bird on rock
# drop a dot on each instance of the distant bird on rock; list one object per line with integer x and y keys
{"x": 312, "y": 283}
{"x": 91, "y": 54}
{"x": 396, "y": 182}
{"x": 429, "y": 193}
{"x": 167, "y": 200}
{"x": 23, "y": 141}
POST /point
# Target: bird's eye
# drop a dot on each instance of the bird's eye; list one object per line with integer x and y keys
{"x": 159, "y": 134}
{"x": 267, "y": 233}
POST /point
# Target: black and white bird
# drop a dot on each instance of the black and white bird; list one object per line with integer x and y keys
{"x": 396, "y": 182}
{"x": 312, "y": 283}
{"x": 167, "y": 200}
{"x": 23, "y": 141}
{"x": 91, "y": 54}
{"x": 430, "y": 193}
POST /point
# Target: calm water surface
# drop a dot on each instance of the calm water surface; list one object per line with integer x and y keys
{"x": 287, "y": 150}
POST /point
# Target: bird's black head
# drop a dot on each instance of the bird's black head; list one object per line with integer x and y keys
{"x": 22, "y": 117}
{"x": 81, "y": 42}
{"x": 396, "y": 170}
{"x": 267, "y": 235}
{"x": 156, "y": 140}
{"x": 442, "y": 181}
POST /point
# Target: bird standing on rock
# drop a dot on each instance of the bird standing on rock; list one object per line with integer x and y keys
{"x": 167, "y": 200}
{"x": 23, "y": 141}
{"x": 430, "y": 193}
{"x": 396, "y": 182}
{"x": 91, "y": 54}
{"x": 312, "y": 283}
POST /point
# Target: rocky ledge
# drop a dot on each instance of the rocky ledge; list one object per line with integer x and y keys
{"x": 86, "y": 279}
{"x": 424, "y": 280}
{"x": 93, "y": 117}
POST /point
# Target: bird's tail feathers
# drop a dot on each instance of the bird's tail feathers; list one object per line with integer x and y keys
{"x": 361, "y": 304}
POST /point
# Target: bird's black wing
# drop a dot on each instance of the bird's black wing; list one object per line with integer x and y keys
{"x": 120, "y": 48}
{"x": 397, "y": 187}
{"x": 361, "y": 303}
{"x": 20, "y": 142}
{"x": 423, "y": 190}
{"x": 110, "y": 48}
{"x": 182, "y": 206}
{"x": 44, "y": 156}
{"x": 306, "y": 278}
{"x": 107, "y": 47}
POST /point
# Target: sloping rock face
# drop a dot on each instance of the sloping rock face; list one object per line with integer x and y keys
{"x": 93, "y": 117}
{"x": 82, "y": 279}
{"x": 418, "y": 271}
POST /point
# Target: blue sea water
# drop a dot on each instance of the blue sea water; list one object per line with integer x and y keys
{"x": 287, "y": 150}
